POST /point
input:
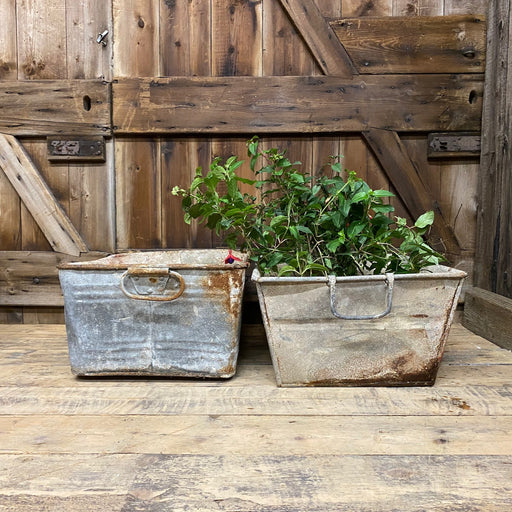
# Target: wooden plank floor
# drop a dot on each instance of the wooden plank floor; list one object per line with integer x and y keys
{"x": 69, "y": 444}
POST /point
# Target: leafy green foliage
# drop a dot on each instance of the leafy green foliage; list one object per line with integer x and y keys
{"x": 304, "y": 224}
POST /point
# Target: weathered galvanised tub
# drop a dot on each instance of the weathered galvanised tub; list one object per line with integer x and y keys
{"x": 382, "y": 330}
{"x": 158, "y": 313}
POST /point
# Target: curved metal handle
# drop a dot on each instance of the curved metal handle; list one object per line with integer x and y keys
{"x": 149, "y": 271}
{"x": 390, "y": 279}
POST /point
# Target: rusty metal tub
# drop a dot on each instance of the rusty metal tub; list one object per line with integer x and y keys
{"x": 159, "y": 313}
{"x": 387, "y": 330}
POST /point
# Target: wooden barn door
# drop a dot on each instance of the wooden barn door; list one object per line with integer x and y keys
{"x": 54, "y": 82}
{"x": 169, "y": 85}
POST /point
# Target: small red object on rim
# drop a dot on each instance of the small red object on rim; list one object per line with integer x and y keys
{"x": 231, "y": 258}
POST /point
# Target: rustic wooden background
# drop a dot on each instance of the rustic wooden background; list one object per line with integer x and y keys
{"x": 126, "y": 201}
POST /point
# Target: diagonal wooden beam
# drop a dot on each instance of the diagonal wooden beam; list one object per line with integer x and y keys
{"x": 320, "y": 38}
{"x": 401, "y": 171}
{"x": 38, "y": 198}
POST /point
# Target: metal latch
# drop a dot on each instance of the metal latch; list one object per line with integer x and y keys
{"x": 101, "y": 39}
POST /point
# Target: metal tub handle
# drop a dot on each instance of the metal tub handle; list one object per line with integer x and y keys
{"x": 389, "y": 280}
{"x": 148, "y": 271}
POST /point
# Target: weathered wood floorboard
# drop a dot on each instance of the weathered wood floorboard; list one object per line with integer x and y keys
{"x": 69, "y": 444}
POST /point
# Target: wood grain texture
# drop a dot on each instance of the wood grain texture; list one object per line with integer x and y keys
{"x": 56, "y": 178}
{"x": 244, "y": 444}
{"x": 10, "y": 212}
{"x": 237, "y": 39}
{"x": 138, "y": 194}
{"x": 137, "y": 162}
{"x": 185, "y": 34}
{"x": 423, "y": 8}
{"x": 169, "y": 482}
{"x": 50, "y": 107}
{"x": 180, "y": 159}
{"x": 360, "y": 8}
{"x": 284, "y": 51}
{"x": 489, "y": 315}
{"x": 92, "y": 201}
{"x": 421, "y": 44}
{"x": 85, "y": 57}
{"x": 137, "y": 37}
{"x": 8, "y": 42}
{"x": 295, "y": 104}
{"x": 41, "y": 36}
{"x": 38, "y": 198}
{"x": 330, "y": 55}
{"x": 493, "y": 265}
{"x": 31, "y": 278}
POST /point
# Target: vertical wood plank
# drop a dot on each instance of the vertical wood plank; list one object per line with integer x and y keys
{"x": 41, "y": 36}
{"x": 136, "y": 38}
{"x": 466, "y": 7}
{"x": 10, "y": 205}
{"x": 236, "y": 51}
{"x": 10, "y": 215}
{"x": 185, "y": 38}
{"x": 286, "y": 54}
{"x": 358, "y": 8}
{"x": 185, "y": 50}
{"x": 92, "y": 201}
{"x": 138, "y": 194}
{"x": 418, "y": 7}
{"x": 85, "y": 57}
{"x": 180, "y": 158}
{"x": 41, "y": 28}
{"x": 284, "y": 51}
{"x": 8, "y": 42}
{"x": 91, "y": 186}
{"x": 325, "y": 146}
{"x": 237, "y": 38}
{"x": 493, "y": 265}
{"x": 137, "y": 161}
{"x": 357, "y": 156}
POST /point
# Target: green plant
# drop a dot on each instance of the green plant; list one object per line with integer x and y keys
{"x": 303, "y": 224}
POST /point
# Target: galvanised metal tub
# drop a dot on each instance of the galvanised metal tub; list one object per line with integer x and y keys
{"x": 387, "y": 330}
{"x": 158, "y": 313}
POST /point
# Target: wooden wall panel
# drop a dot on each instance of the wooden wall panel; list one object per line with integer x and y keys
{"x": 138, "y": 197}
{"x": 357, "y": 8}
{"x": 180, "y": 158}
{"x": 85, "y": 57}
{"x": 56, "y": 39}
{"x": 8, "y": 46}
{"x": 137, "y": 161}
{"x": 284, "y": 51}
{"x": 185, "y": 50}
{"x": 92, "y": 201}
{"x": 465, "y": 7}
{"x": 418, "y": 7}
{"x": 10, "y": 204}
{"x": 41, "y": 27}
{"x": 91, "y": 192}
{"x": 136, "y": 37}
{"x": 10, "y": 210}
{"x": 32, "y": 238}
